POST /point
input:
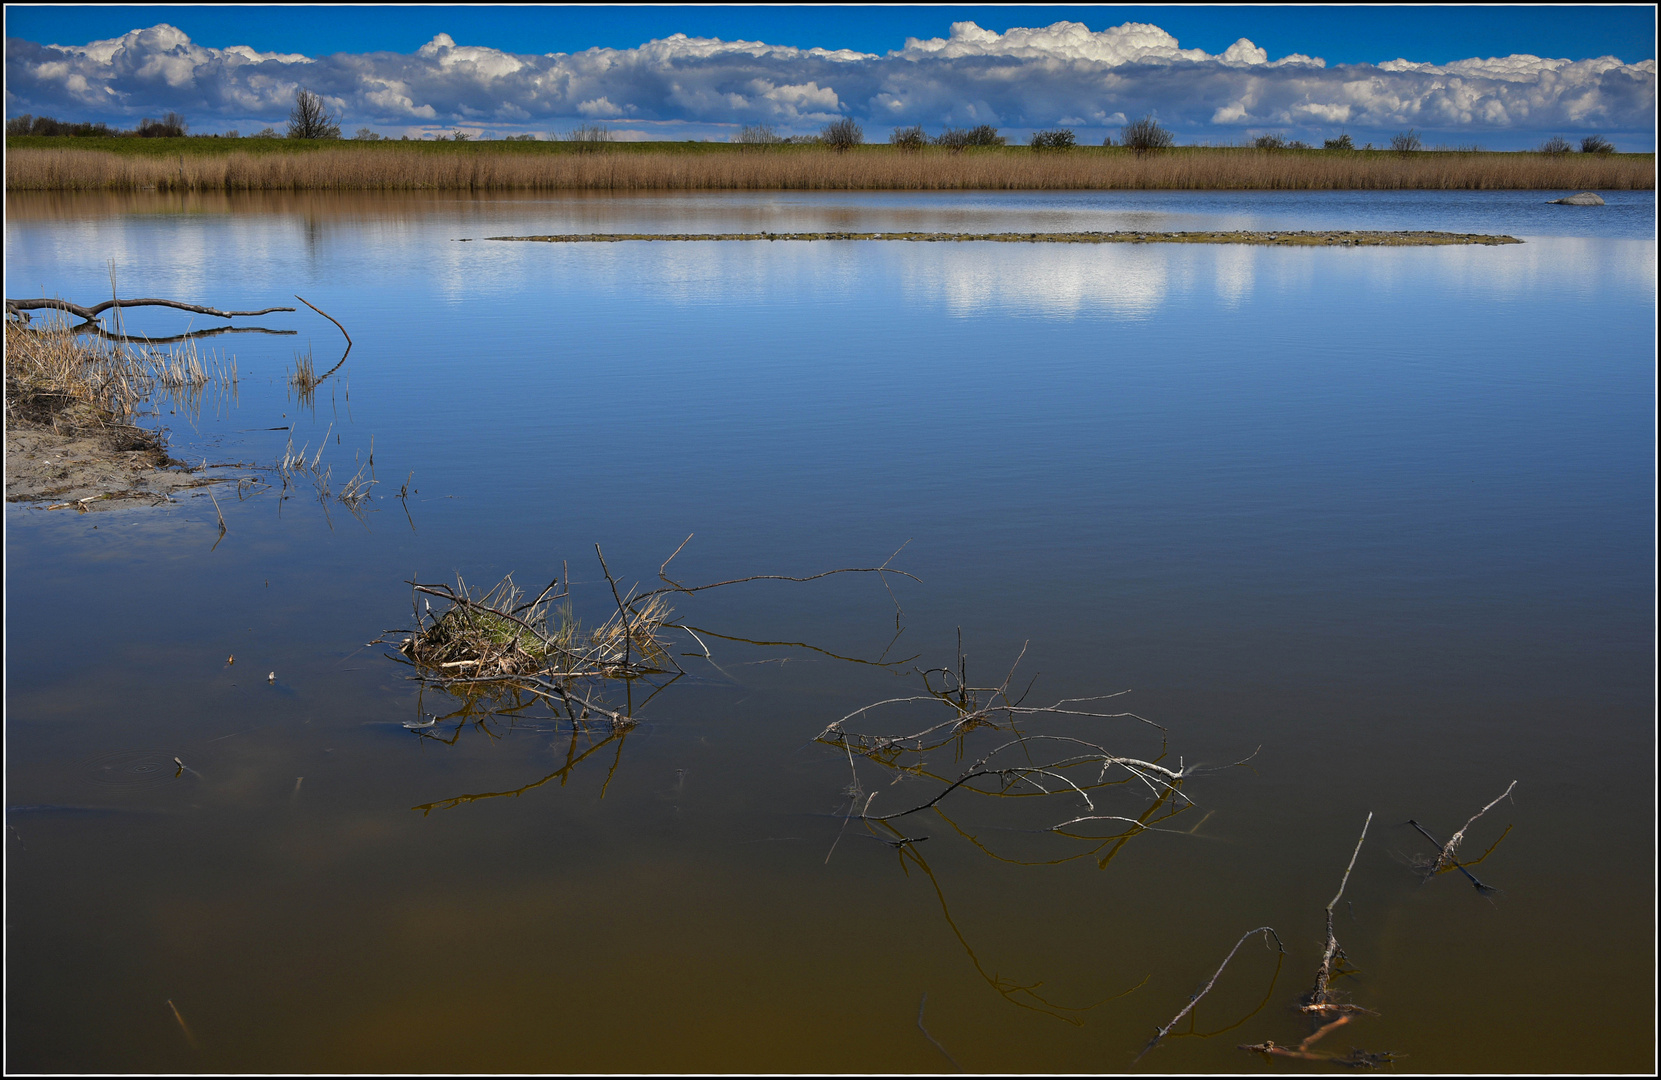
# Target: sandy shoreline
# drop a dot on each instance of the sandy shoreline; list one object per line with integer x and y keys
{"x": 85, "y": 472}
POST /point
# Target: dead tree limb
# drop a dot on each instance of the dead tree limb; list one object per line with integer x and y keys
{"x": 1445, "y": 859}
{"x": 1266, "y": 931}
{"x": 334, "y": 320}
{"x": 1319, "y": 999}
{"x": 1355, "y": 1059}
{"x": 91, "y": 313}
{"x": 1430, "y": 868}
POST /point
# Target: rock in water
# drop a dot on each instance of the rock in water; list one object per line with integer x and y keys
{"x": 1585, "y": 198}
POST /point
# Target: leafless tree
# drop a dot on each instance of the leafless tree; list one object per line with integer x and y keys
{"x": 309, "y": 119}
{"x": 842, "y": 134}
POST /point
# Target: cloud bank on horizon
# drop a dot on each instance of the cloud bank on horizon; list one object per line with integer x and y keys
{"x": 1060, "y": 75}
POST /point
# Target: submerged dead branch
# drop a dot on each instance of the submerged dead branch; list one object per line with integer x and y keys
{"x": 1319, "y": 1001}
{"x": 1357, "y": 1058}
{"x": 1021, "y": 751}
{"x": 1445, "y": 860}
{"x": 1267, "y": 932}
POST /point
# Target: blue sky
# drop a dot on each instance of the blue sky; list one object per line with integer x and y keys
{"x": 1341, "y": 35}
{"x": 1502, "y": 77}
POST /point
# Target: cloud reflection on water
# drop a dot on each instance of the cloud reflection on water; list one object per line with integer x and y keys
{"x": 398, "y": 250}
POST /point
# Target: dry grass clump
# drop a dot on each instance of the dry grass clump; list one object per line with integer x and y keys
{"x": 57, "y": 380}
{"x": 513, "y": 654}
{"x": 78, "y": 384}
{"x": 303, "y": 379}
{"x": 498, "y": 636}
{"x": 617, "y": 167}
{"x": 304, "y": 375}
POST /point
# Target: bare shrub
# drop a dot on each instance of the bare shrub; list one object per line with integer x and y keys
{"x": 1406, "y": 142}
{"x": 1146, "y": 135}
{"x": 1342, "y": 142}
{"x": 958, "y": 139}
{"x": 758, "y": 135}
{"x": 1269, "y": 142}
{"x": 1054, "y": 139}
{"x": 1596, "y": 144}
{"x": 589, "y": 138}
{"x": 908, "y": 138}
{"x": 1555, "y": 145}
{"x": 842, "y": 134}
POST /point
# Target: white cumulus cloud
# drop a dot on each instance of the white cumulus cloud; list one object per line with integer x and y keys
{"x": 1025, "y": 77}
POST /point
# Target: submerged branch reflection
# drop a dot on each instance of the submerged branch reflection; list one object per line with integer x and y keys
{"x": 130, "y": 338}
{"x": 1021, "y": 995}
{"x": 1062, "y": 795}
{"x": 562, "y": 774}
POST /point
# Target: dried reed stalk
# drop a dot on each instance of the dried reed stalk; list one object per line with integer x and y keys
{"x": 619, "y": 168}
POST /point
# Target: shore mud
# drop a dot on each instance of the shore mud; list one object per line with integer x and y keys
{"x": 87, "y": 472}
{"x": 70, "y": 437}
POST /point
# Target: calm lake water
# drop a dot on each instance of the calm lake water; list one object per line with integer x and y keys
{"x": 1383, "y": 516}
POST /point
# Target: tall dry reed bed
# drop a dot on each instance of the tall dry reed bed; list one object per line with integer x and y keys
{"x": 812, "y": 168}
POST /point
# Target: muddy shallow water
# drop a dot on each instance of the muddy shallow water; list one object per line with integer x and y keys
{"x": 1382, "y": 517}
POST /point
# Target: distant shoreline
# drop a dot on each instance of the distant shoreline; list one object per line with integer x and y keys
{"x": 66, "y": 163}
{"x": 1277, "y": 238}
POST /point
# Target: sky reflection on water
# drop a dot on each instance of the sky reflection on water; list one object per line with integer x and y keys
{"x": 1386, "y": 514}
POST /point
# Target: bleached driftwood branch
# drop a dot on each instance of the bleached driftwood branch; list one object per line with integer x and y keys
{"x": 90, "y": 314}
